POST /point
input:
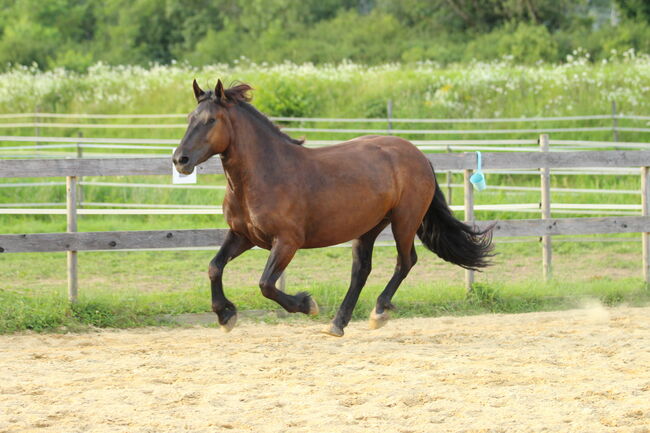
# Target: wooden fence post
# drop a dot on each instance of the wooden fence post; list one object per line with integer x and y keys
{"x": 71, "y": 212}
{"x": 469, "y": 217}
{"x": 645, "y": 237}
{"x": 545, "y": 174}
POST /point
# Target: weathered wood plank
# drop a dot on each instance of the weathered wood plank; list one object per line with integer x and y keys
{"x": 97, "y": 167}
{"x": 568, "y": 226}
{"x": 536, "y": 160}
{"x": 440, "y": 161}
{"x": 558, "y": 226}
{"x": 89, "y": 241}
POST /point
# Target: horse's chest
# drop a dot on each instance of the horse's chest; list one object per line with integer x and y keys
{"x": 248, "y": 221}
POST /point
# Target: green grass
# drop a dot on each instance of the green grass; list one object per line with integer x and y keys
{"x": 126, "y": 309}
{"x": 130, "y": 289}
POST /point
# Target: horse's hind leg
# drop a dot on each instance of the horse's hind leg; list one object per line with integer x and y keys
{"x": 361, "y": 267}
{"x": 404, "y": 233}
{"x": 232, "y": 247}
{"x": 281, "y": 254}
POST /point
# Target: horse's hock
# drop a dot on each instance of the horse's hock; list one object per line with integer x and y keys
{"x": 579, "y": 371}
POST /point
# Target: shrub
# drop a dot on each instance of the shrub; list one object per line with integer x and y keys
{"x": 523, "y": 43}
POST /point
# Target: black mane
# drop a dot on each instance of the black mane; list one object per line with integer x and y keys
{"x": 259, "y": 116}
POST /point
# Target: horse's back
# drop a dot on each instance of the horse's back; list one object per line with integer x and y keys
{"x": 372, "y": 148}
{"x": 373, "y": 156}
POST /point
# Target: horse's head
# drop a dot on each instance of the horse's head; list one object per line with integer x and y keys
{"x": 209, "y": 131}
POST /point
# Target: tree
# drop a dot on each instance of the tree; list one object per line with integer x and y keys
{"x": 39, "y": 32}
{"x": 635, "y": 9}
{"x": 485, "y": 15}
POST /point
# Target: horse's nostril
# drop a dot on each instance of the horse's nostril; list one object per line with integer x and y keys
{"x": 183, "y": 160}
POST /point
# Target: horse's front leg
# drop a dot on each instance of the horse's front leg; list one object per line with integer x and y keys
{"x": 232, "y": 246}
{"x": 282, "y": 252}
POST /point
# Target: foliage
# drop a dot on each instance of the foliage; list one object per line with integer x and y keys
{"x": 76, "y": 34}
{"x": 524, "y": 43}
{"x": 484, "y": 15}
{"x": 635, "y": 9}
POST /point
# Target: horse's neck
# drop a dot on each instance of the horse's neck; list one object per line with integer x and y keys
{"x": 256, "y": 159}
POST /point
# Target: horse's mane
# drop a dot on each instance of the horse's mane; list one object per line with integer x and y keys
{"x": 239, "y": 95}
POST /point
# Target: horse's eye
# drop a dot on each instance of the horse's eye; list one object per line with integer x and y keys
{"x": 211, "y": 120}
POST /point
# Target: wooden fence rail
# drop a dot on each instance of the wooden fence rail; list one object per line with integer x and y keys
{"x": 441, "y": 161}
{"x": 121, "y": 240}
{"x": 151, "y": 239}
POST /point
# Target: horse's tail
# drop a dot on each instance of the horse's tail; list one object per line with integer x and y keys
{"x": 451, "y": 239}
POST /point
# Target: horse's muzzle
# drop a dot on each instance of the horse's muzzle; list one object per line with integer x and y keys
{"x": 183, "y": 165}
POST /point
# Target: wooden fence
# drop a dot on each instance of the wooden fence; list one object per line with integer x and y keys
{"x": 544, "y": 161}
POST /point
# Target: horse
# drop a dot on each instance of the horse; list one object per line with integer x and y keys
{"x": 283, "y": 196}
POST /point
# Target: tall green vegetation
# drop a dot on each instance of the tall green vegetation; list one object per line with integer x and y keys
{"x": 78, "y": 33}
{"x": 480, "y": 89}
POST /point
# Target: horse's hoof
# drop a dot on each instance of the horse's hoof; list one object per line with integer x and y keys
{"x": 378, "y": 320}
{"x": 333, "y": 330}
{"x": 230, "y": 324}
{"x": 313, "y": 307}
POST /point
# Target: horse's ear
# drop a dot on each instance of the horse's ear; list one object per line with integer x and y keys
{"x": 198, "y": 92}
{"x": 219, "y": 92}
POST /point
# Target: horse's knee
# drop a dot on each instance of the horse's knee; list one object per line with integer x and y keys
{"x": 216, "y": 266}
{"x": 268, "y": 289}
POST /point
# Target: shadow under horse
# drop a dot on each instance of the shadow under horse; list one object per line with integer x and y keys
{"x": 282, "y": 196}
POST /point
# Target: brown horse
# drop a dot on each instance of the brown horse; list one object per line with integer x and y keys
{"x": 282, "y": 196}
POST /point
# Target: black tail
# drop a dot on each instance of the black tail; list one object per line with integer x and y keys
{"x": 453, "y": 240}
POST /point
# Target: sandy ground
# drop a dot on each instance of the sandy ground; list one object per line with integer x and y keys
{"x": 574, "y": 371}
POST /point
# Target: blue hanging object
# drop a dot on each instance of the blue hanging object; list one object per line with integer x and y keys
{"x": 477, "y": 179}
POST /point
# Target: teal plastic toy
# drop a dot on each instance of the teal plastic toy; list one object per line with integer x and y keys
{"x": 477, "y": 179}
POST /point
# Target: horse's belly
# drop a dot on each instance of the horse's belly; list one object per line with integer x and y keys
{"x": 345, "y": 222}
{"x": 337, "y": 237}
